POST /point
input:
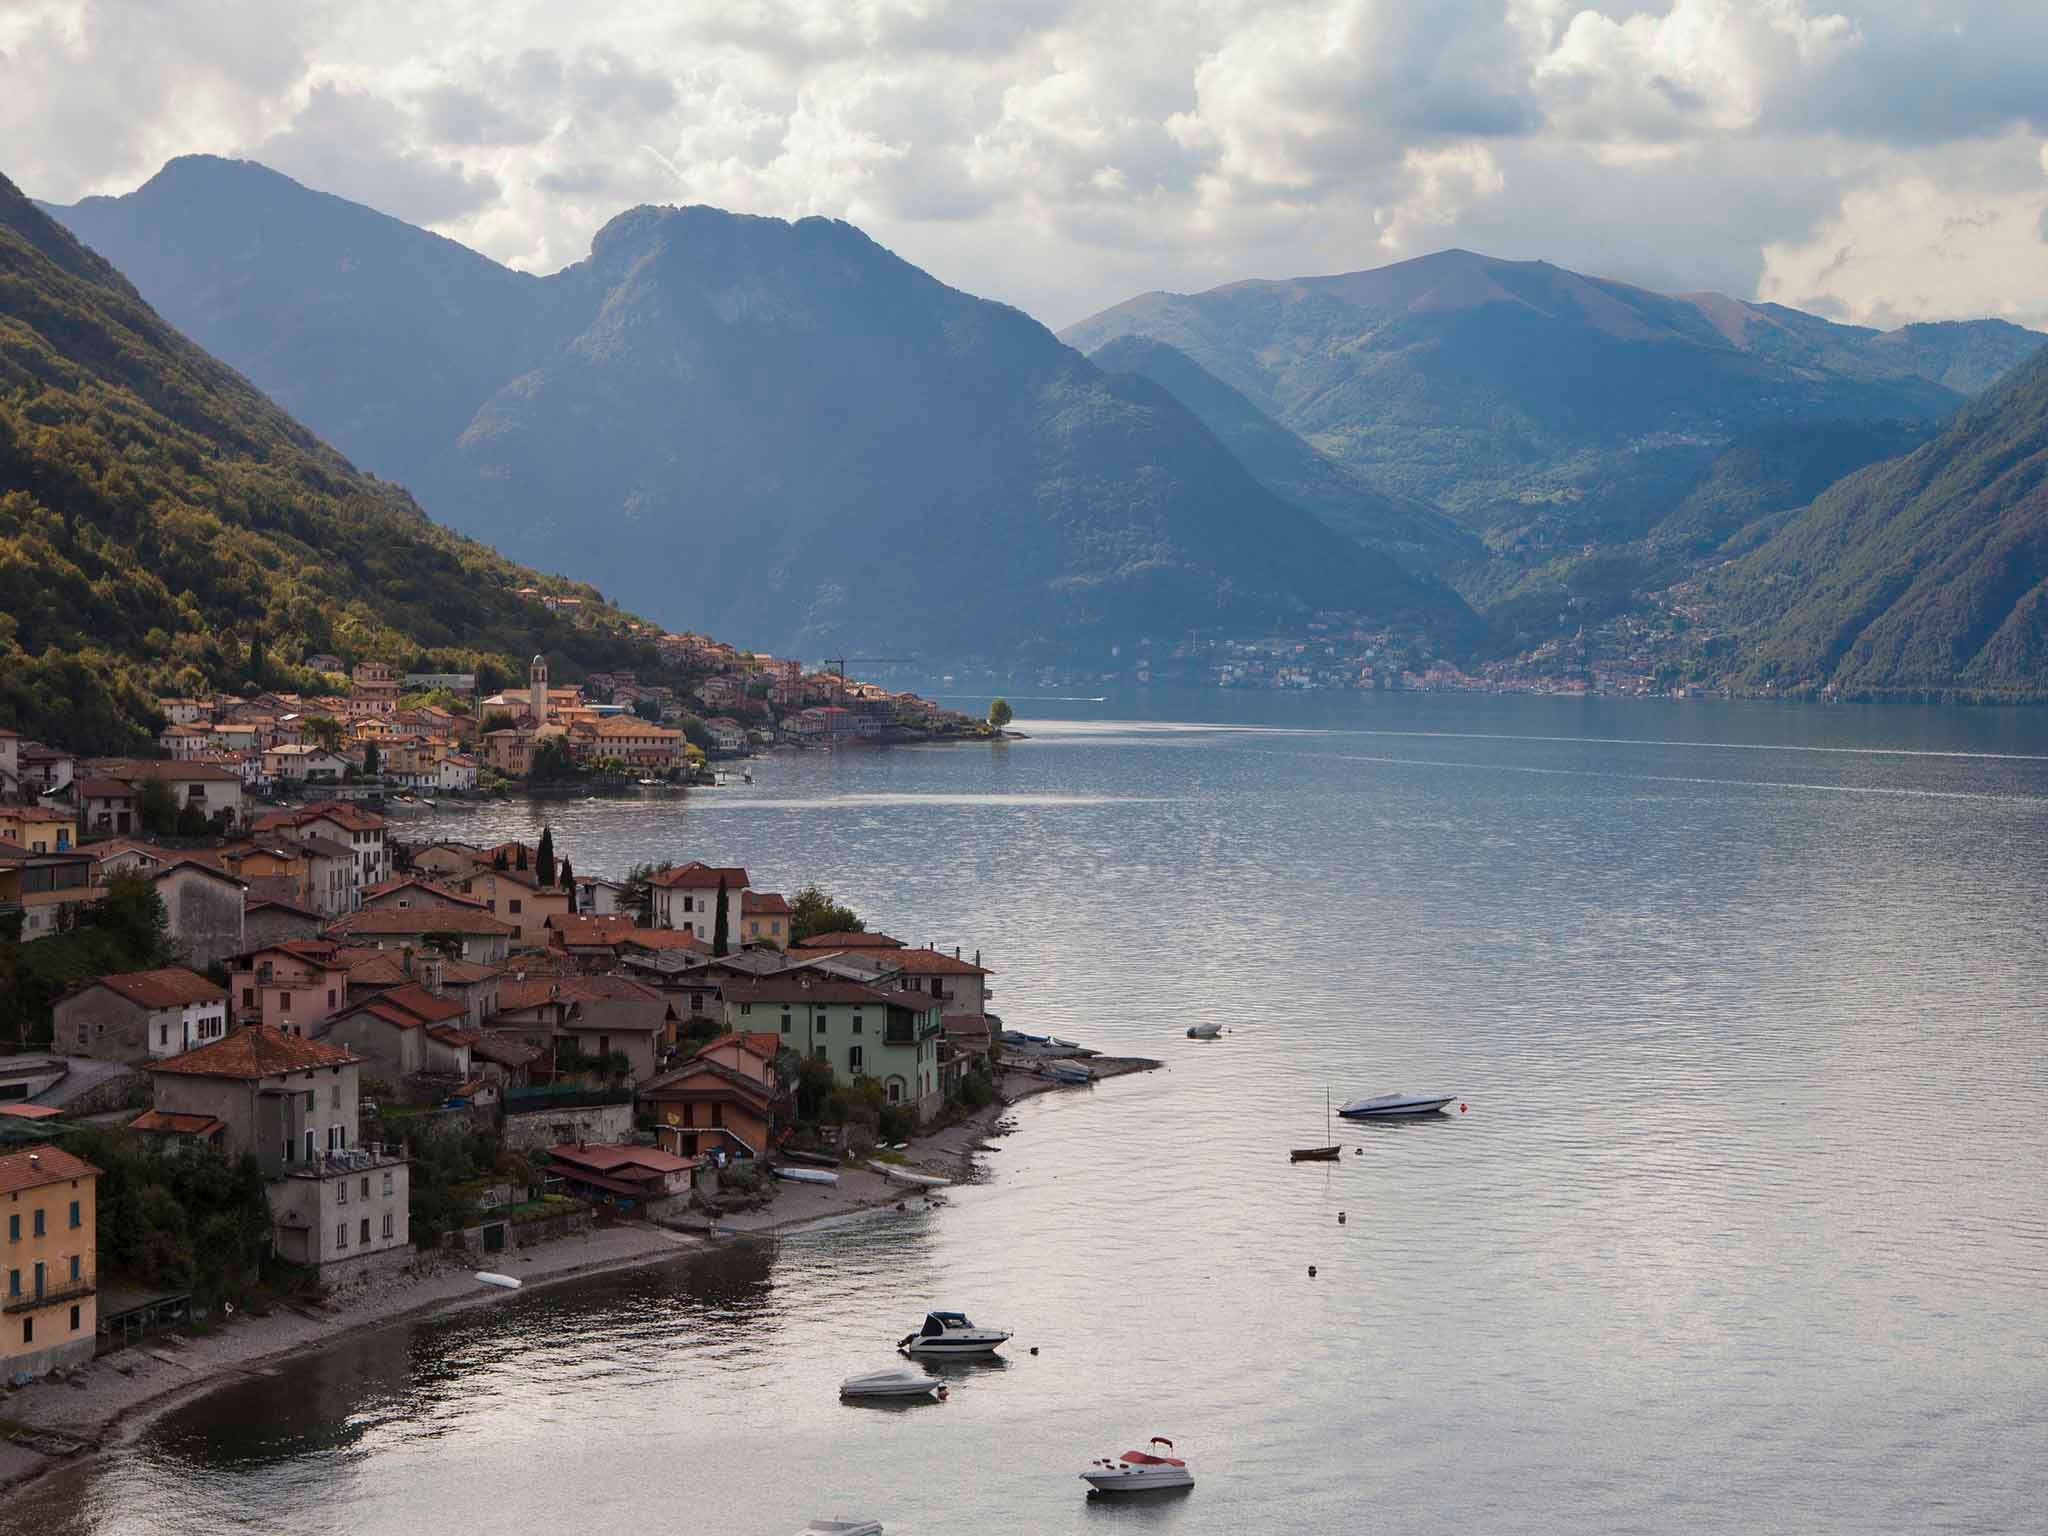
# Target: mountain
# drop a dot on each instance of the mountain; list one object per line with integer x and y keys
{"x": 1519, "y": 395}
{"x": 165, "y": 528}
{"x": 779, "y": 431}
{"x": 1411, "y": 531}
{"x": 1922, "y": 575}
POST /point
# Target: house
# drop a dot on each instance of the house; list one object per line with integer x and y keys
{"x": 388, "y": 1030}
{"x": 722, "y": 1097}
{"x": 203, "y": 909}
{"x": 338, "y": 1208}
{"x": 961, "y": 986}
{"x": 478, "y": 935}
{"x": 292, "y": 986}
{"x": 373, "y": 689}
{"x": 106, "y": 806}
{"x": 447, "y": 862}
{"x": 859, "y": 1031}
{"x": 305, "y": 765}
{"x": 594, "y": 943}
{"x": 403, "y": 891}
{"x": 10, "y": 763}
{"x": 765, "y": 917}
{"x": 685, "y": 898}
{"x": 347, "y": 826}
{"x": 654, "y": 1182}
{"x": 214, "y": 792}
{"x": 184, "y": 711}
{"x": 727, "y": 734}
{"x": 40, "y": 888}
{"x": 39, "y": 828}
{"x": 50, "y": 1318}
{"x": 271, "y": 918}
{"x": 46, "y": 769}
{"x": 456, "y": 773}
{"x": 185, "y": 741}
{"x": 590, "y": 1015}
{"x": 140, "y": 1016}
{"x": 632, "y": 740}
{"x": 518, "y": 897}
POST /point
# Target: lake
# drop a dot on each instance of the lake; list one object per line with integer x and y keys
{"x": 1743, "y": 1229}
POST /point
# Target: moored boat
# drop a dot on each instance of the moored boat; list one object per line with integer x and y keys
{"x": 949, "y": 1334}
{"x": 842, "y": 1527}
{"x": 896, "y": 1381}
{"x": 1139, "y": 1471}
{"x": 1395, "y": 1106}
{"x": 1204, "y": 1031}
{"x": 1325, "y": 1154}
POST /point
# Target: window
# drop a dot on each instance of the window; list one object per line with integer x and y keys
{"x": 341, "y": 1193}
{"x": 366, "y": 1186}
{"x": 366, "y": 1229}
{"x": 821, "y": 1053}
{"x": 39, "y": 1223}
{"x": 74, "y": 1266}
{"x": 334, "y": 1097}
{"x": 309, "y": 1143}
{"x": 387, "y": 1217}
{"x": 163, "y": 1034}
{"x": 14, "y": 1229}
{"x": 74, "y": 1319}
{"x": 13, "y": 1282}
{"x": 853, "y": 1059}
{"x": 785, "y": 1017}
{"x": 387, "y": 1188}
{"x": 341, "y": 1235}
{"x": 284, "y": 1001}
{"x": 74, "y": 1213}
{"x": 856, "y": 1021}
{"x": 337, "y": 1138}
{"x": 28, "y": 1330}
{"x": 895, "y": 1090}
{"x": 513, "y": 906}
{"x": 330, "y": 997}
{"x": 309, "y": 1101}
{"x": 248, "y": 997}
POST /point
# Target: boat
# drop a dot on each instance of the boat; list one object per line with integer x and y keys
{"x": 807, "y": 1175}
{"x": 1070, "y": 1072}
{"x": 905, "y": 1176}
{"x": 1328, "y": 1154}
{"x": 895, "y": 1381}
{"x": 1139, "y": 1471}
{"x": 502, "y": 1282}
{"x": 1204, "y": 1031}
{"x": 1395, "y": 1106}
{"x": 842, "y": 1527}
{"x": 950, "y": 1334}
{"x": 648, "y": 783}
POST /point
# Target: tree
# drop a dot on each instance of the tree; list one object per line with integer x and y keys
{"x": 325, "y": 729}
{"x": 721, "y": 937}
{"x": 497, "y": 720}
{"x": 544, "y": 857}
{"x": 259, "y": 661}
{"x": 519, "y": 856}
{"x": 568, "y": 876}
{"x": 552, "y": 762}
{"x": 373, "y": 762}
{"x": 648, "y": 709}
{"x": 813, "y": 913}
{"x": 156, "y": 808}
{"x": 639, "y": 893}
{"x": 999, "y": 713}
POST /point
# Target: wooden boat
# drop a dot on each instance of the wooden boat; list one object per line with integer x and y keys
{"x": 1318, "y": 1154}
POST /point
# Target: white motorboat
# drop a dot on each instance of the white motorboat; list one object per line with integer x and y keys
{"x": 1205, "y": 1031}
{"x": 1395, "y": 1106}
{"x": 842, "y": 1527}
{"x": 896, "y": 1381}
{"x": 947, "y": 1335}
{"x": 502, "y": 1282}
{"x": 1139, "y": 1471}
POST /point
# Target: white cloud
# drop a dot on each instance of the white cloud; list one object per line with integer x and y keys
{"x": 1061, "y": 154}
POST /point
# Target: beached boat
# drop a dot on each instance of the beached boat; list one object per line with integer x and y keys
{"x": 1204, "y": 1031}
{"x": 948, "y": 1334}
{"x": 842, "y": 1527}
{"x": 896, "y": 1381}
{"x": 1395, "y": 1106}
{"x": 807, "y": 1175}
{"x": 502, "y": 1282}
{"x": 1139, "y": 1471}
{"x": 905, "y": 1176}
{"x": 1070, "y": 1072}
{"x": 1328, "y": 1154}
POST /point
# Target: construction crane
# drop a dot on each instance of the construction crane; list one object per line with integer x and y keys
{"x": 839, "y": 664}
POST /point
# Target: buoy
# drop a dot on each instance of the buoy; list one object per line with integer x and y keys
{"x": 1340, "y": 1218}
{"x": 1311, "y": 1271}
{"x": 1461, "y": 1109}
{"x": 1034, "y": 1349}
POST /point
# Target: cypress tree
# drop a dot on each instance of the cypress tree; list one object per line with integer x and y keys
{"x": 519, "y": 858}
{"x": 544, "y": 860}
{"x": 719, "y": 936}
{"x": 568, "y": 877}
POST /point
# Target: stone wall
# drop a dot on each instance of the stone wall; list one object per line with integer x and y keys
{"x": 538, "y": 1129}
{"x": 128, "y": 1091}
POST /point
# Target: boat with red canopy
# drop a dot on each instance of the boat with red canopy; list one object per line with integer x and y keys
{"x": 1139, "y": 1471}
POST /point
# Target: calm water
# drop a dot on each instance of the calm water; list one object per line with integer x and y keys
{"x": 1744, "y": 1229}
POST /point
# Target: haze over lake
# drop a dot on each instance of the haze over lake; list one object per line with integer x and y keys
{"x": 1743, "y": 1229}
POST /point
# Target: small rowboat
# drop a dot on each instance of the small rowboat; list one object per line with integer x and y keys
{"x": 1318, "y": 1154}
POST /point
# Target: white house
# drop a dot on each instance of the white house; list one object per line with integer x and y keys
{"x": 458, "y": 771}
{"x": 686, "y": 899}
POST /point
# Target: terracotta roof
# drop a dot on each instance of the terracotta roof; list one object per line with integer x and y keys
{"x": 756, "y": 1042}
{"x": 849, "y": 941}
{"x": 322, "y": 952}
{"x": 30, "y": 1111}
{"x": 164, "y": 1122}
{"x": 518, "y": 996}
{"x": 272, "y": 893}
{"x": 33, "y": 1167}
{"x": 670, "y": 1084}
{"x": 765, "y": 903}
{"x": 376, "y": 968}
{"x": 697, "y": 875}
{"x": 934, "y": 962}
{"x": 104, "y": 789}
{"x": 446, "y": 893}
{"x": 171, "y": 987}
{"x": 203, "y": 865}
{"x": 776, "y": 989}
{"x": 434, "y": 919}
{"x": 422, "y": 1004}
{"x": 257, "y": 1051}
{"x": 656, "y": 939}
{"x": 132, "y": 768}
{"x": 506, "y": 1053}
{"x": 588, "y": 928}
{"x": 609, "y": 1158}
{"x": 463, "y": 973}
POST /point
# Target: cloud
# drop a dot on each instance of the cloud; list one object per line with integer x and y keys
{"x": 1061, "y": 154}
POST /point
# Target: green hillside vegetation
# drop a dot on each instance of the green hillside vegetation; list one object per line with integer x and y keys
{"x": 1920, "y": 576}
{"x": 164, "y": 528}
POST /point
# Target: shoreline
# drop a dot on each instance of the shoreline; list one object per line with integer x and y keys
{"x": 108, "y": 1402}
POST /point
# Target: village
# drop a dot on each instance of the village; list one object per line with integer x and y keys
{"x": 429, "y": 1053}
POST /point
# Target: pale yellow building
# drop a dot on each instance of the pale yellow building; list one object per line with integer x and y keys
{"x": 48, "y": 1254}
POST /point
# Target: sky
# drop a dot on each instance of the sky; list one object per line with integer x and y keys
{"x": 1877, "y": 162}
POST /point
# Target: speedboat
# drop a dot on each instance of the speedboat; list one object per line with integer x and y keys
{"x": 841, "y": 1527}
{"x": 1394, "y": 1106}
{"x": 949, "y": 1334}
{"x": 1204, "y": 1031}
{"x": 895, "y": 1381}
{"x": 1139, "y": 1471}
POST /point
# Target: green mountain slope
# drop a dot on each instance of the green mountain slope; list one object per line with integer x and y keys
{"x": 1517, "y": 394}
{"x": 778, "y": 431}
{"x": 1417, "y": 534}
{"x": 1923, "y": 575}
{"x": 165, "y": 528}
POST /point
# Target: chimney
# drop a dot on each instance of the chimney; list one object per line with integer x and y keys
{"x": 35, "y": 1160}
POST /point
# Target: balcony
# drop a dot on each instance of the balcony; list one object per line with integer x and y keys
{"x": 50, "y": 1295}
{"x": 332, "y": 1165}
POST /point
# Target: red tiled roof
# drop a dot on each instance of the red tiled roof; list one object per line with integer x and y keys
{"x": 725, "y": 1083}
{"x": 104, "y": 789}
{"x": 171, "y": 987}
{"x": 257, "y": 1051}
{"x": 446, "y": 893}
{"x": 609, "y": 1158}
{"x": 933, "y": 962}
{"x": 30, "y": 1111}
{"x": 422, "y": 1004}
{"x": 765, "y": 903}
{"x": 165, "y": 1122}
{"x": 777, "y": 990}
{"x": 591, "y": 928}
{"x": 652, "y": 939}
{"x": 849, "y": 941}
{"x": 757, "y": 1042}
{"x": 697, "y": 875}
{"x": 33, "y": 1167}
{"x": 433, "y": 919}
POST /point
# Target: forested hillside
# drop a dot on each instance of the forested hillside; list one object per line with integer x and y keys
{"x": 165, "y": 528}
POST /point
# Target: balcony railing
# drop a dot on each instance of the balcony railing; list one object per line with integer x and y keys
{"x": 50, "y": 1295}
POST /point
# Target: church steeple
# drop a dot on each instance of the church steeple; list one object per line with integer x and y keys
{"x": 537, "y": 691}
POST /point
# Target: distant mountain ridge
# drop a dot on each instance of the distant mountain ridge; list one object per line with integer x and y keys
{"x": 1500, "y": 389}
{"x": 781, "y": 432}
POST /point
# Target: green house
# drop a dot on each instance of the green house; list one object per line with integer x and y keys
{"x": 860, "y": 1031}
